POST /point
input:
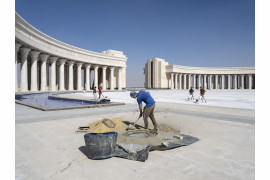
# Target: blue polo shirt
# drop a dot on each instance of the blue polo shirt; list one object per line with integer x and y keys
{"x": 146, "y": 98}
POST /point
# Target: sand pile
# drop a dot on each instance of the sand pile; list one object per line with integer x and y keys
{"x": 105, "y": 125}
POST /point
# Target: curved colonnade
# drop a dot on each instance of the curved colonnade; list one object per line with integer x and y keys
{"x": 159, "y": 74}
{"x": 43, "y": 63}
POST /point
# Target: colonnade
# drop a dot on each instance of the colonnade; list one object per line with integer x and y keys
{"x": 44, "y": 72}
{"x": 212, "y": 81}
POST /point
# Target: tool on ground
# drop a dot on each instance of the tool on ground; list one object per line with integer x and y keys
{"x": 82, "y": 129}
{"x": 132, "y": 125}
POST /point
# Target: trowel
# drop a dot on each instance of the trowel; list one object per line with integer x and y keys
{"x": 132, "y": 125}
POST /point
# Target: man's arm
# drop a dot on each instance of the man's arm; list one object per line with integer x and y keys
{"x": 140, "y": 107}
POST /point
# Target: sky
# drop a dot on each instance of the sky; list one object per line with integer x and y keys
{"x": 208, "y": 33}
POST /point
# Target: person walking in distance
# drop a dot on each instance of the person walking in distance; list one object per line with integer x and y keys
{"x": 191, "y": 91}
{"x": 99, "y": 92}
{"x": 202, "y": 92}
{"x": 148, "y": 111}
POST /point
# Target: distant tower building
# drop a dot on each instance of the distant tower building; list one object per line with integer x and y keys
{"x": 155, "y": 73}
{"x": 160, "y": 75}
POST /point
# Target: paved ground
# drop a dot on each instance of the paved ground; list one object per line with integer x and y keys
{"x": 47, "y": 146}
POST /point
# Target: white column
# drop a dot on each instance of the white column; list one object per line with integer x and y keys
{"x": 204, "y": 81}
{"x": 87, "y": 78}
{"x": 70, "y": 76}
{"x": 235, "y": 81}
{"x": 199, "y": 80}
{"x": 172, "y": 81}
{"x": 104, "y": 77}
{"x": 43, "y": 59}
{"x": 180, "y": 81}
{"x": 176, "y": 81}
{"x": 61, "y": 74}
{"x": 53, "y": 73}
{"x": 216, "y": 81}
{"x": 79, "y": 76}
{"x": 222, "y": 81}
{"x": 210, "y": 82}
{"x": 34, "y": 58}
{"x": 111, "y": 78}
{"x": 194, "y": 81}
{"x": 242, "y": 81}
{"x": 249, "y": 81}
{"x": 185, "y": 81}
{"x": 17, "y": 46}
{"x": 229, "y": 81}
{"x": 188, "y": 79}
{"x": 119, "y": 78}
{"x": 96, "y": 76}
{"x": 24, "y": 76}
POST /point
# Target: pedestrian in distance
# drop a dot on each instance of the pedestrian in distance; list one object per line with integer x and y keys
{"x": 99, "y": 92}
{"x": 191, "y": 91}
{"x": 202, "y": 92}
{"x": 148, "y": 111}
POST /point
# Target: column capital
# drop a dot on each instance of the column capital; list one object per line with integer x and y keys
{"x": 70, "y": 63}
{"x": 17, "y": 46}
{"x": 25, "y": 50}
{"x": 96, "y": 66}
{"x": 104, "y": 67}
{"x": 34, "y": 54}
{"x": 53, "y": 59}
{"x": 43, "y": 57}
{"x": 87, "y": 66}
{"x": 119, "y": 68}
{"x": 176, "y": 74}
{"x": 62, "y": 61}
{"x": 79, "y": 64}
{"x": 112, "y": 68}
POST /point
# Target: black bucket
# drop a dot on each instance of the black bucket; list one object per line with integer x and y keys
{"x": 100, "y": 145}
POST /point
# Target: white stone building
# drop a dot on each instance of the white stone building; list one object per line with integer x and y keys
{"x": 43, "y": 63}
{"x": 160, "y": 75}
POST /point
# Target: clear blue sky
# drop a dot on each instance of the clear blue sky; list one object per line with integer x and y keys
{"x": 202, "y": 33}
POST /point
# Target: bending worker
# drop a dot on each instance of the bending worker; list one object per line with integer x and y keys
{"x": 148, "y": 109}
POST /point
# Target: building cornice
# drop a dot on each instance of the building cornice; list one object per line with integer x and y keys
{"x": 209, "y": 70}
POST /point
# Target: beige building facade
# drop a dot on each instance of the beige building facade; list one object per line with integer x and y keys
{"x": 44, "y": 64}
{"x": 160, "y": 75}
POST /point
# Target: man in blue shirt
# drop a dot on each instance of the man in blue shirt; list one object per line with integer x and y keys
{"x": 145, "y": 97}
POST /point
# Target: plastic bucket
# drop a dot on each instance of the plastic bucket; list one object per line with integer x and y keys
{"x": 100, "y": 145}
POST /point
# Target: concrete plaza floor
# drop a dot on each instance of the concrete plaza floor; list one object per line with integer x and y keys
{"x": 47, "y": 146}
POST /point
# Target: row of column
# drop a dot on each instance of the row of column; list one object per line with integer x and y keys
{"x": 36, "y": 56}
{"x": 183, "y": 81}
